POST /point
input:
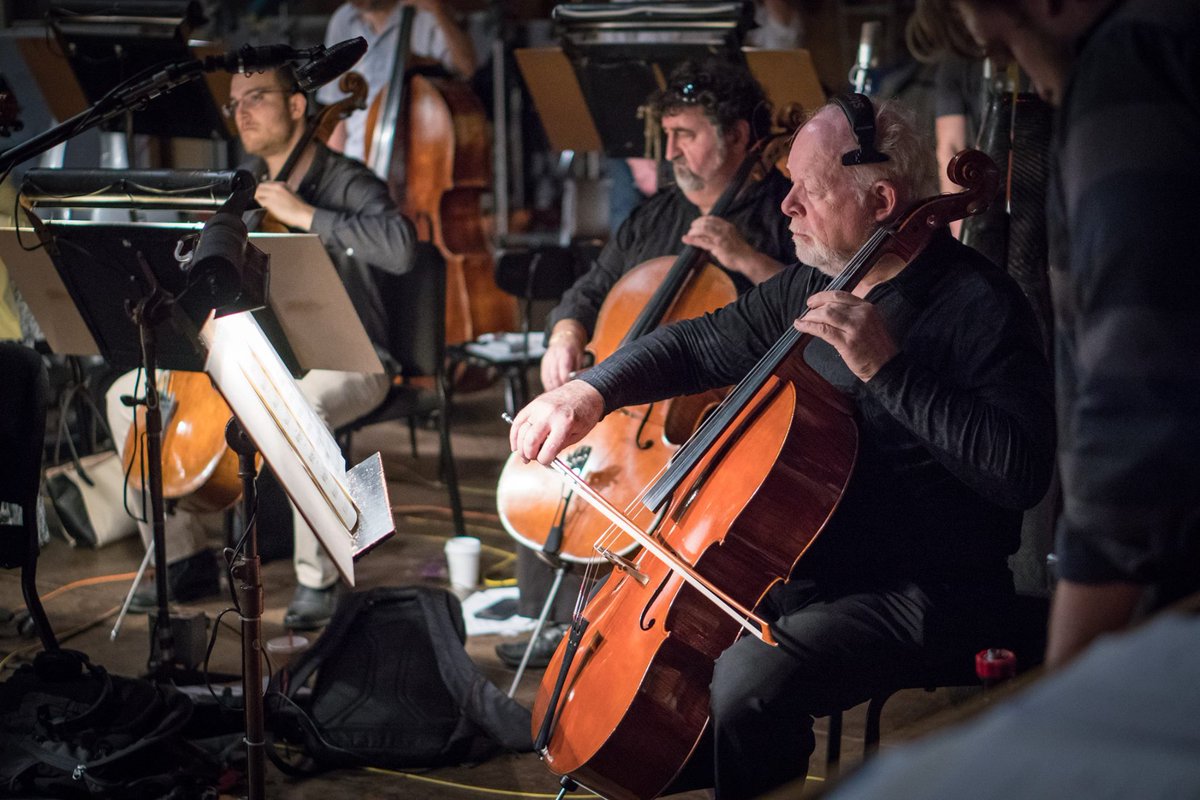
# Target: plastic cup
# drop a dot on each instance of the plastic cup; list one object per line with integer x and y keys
{"x": 462, "y": 560}
{"x": 282, "y": 649}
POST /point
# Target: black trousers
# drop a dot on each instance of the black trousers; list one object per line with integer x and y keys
{"x": 837, "y": 647}
{"x": 534, "y": 579}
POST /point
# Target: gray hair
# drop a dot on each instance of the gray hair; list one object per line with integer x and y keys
{"x": 911, "y": 166}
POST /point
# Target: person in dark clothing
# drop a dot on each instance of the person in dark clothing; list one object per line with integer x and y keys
{"x": 944, "y": 365}
{"x": 1126, "y": 78}
{"x": 350, "y": 209}
{"x": 712, "y": 114}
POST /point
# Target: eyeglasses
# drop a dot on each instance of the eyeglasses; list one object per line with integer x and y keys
{"x": 250, "y": 101}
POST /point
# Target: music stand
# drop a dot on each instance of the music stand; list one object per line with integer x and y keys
{"x": 104, "y": 46}
{"x": 311, "y": 472}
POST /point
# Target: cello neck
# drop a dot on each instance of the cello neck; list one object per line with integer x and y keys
{"x": 691, "y": 257}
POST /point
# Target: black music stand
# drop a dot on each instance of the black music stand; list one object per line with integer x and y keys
{"x": 105, "y": 44}
{"x": 621, "y": 52}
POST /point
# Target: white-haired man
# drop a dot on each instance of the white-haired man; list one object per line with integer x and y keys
{"x": 944, "y": 366}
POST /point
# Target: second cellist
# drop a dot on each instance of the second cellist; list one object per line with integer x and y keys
{"x": 732, "y": 237}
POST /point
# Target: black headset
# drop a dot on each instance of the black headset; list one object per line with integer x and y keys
{"x": 861, "y": 115}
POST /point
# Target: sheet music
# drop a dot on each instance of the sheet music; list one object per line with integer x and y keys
{"x": 287, "y": 431}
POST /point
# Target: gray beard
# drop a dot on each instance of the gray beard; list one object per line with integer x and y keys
{"x": 685, "y": 179}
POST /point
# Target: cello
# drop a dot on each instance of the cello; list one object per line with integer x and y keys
{"x": 427, "y": 136}
{"x": 627, "y": 448}
{"x": 200, "y": 471}
{"x": 625, "y": 698}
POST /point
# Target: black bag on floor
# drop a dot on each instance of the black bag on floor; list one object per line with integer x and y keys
{"x": 69, "y": 729}
{"x": 393, "y": 688}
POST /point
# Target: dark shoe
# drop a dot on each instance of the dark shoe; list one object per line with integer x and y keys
{"x": 511, "y": 653}
{"x": 193, "y": 578}
{"x": 310, "y": 608}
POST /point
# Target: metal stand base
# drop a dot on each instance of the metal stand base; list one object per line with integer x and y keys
{"x": 560, "y": 570}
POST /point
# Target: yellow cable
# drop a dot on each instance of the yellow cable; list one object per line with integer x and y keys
{"x": 455, "y": 785}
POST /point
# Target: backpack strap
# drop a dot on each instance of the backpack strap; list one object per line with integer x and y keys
{"x": 497, "y": 714}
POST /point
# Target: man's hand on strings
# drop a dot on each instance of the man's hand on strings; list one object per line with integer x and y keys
{"x": 853, "y": 327}
{"x": 564, "y": 353}
{"x": 555, "y": 420}
{"x": 725, "y": 242}
{"x": 284, "y": 205}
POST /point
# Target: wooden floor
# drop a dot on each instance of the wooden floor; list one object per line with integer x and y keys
{"x": 82, "y": 616}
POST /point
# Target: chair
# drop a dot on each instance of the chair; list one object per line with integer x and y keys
{"x": 416, "y": 304}
{"x": 1026, "y": 638}
{"x": 528, "y": 273}
{"x": 22, "y": 435}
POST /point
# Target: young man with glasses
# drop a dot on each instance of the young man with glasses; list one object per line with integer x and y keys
{"x": 350, "y": 209}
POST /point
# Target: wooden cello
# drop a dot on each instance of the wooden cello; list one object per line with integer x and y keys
{"x": 427, "y": 136}
{"x": 628, "y": 448}
{"x": 200, "y": 472}
{"x": 625, "y": 699}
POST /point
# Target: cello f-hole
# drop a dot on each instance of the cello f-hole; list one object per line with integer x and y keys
{"x": 647, "y": 624}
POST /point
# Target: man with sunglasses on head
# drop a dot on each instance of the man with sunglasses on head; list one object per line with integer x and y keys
{"x": 350, "y": 209}
{"x": 712, "y": 114}
{"x": 943, "y": 364}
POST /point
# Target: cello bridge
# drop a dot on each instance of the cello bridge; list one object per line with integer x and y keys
{"x": 624, "y": 565}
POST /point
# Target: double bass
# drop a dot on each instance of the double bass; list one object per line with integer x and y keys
{"x": 627, "y": 449}
{"x": 427, "y": 136}
{"x": 200, "y": 471}
{"x": 625, "y": 699}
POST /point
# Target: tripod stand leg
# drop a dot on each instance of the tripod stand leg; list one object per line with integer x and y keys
{"x": 137, "y": 581}
{"x": 559, "y": 572}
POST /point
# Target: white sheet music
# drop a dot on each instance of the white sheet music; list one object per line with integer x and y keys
{"x": 290, "y": 435}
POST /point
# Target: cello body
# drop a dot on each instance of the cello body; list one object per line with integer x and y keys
{"x": 630, "y": 446}
{"x": 788, "y": 457}
{"x": 199, "y": 470}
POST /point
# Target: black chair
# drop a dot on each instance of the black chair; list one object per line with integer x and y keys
{"x": 536, "y": 273}
{"x": 416, "y": 304}
{"x": 22, "y": 437}
{"x": 1026, "y": 638}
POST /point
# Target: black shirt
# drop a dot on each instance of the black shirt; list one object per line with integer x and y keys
{"x": 1125, "y": 279}
{"x": 655, "y": 229}
{"x": 956, "y": 432}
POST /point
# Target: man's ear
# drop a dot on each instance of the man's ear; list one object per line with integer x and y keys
{"x": 297, "y": 105}
{"x": 740, "y": 134}
{"x": 882, "y": 200}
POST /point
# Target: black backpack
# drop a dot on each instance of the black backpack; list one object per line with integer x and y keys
{"x": 70, "y": 729}
{"x": 393, "y": 688}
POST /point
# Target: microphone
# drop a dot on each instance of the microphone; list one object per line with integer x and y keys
{"x": 868, "y": 41}
{"x": 321, "y": 64}
{"x": 328, "y": 64}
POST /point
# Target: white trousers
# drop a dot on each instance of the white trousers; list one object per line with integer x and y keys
{"x": 337, "y": 397}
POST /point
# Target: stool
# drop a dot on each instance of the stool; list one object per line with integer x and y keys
{"x": 511, "y": 354}
{"x": 1026, "y": 638}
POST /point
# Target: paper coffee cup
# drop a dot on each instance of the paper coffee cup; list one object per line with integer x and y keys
{"x": 462, "y": 561}
{"x": 282, "y": 649}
